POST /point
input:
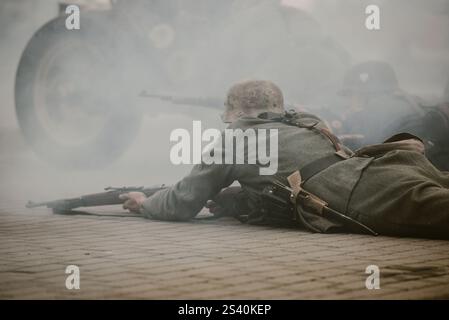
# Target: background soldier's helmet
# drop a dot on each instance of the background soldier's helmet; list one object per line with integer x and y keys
{"x": 371, "y": 77}
{"x": 255, "y": 95}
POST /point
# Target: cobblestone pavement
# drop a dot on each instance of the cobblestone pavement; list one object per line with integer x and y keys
{"x": 130, "y": 257}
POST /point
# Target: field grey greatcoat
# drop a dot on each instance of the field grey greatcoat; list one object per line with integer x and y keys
{"x": 391, "y": 188}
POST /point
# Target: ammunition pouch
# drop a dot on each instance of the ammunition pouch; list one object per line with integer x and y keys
{"x": 275, "y": 207}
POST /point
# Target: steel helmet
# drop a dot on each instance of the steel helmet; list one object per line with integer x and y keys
{"x": 255, "y": 95}
{"x": 371, "y": 77}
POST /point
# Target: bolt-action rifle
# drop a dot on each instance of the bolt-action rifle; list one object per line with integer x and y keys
{"x": 109, "y": 197}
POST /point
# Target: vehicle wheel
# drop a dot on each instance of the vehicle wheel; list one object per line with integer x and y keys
{"x": 72, "y": 101}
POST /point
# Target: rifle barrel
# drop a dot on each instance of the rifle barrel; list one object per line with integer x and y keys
{"x": 32, "y": 204}
{"x": 110, "y": 197}
{"x": 164, "y": 97}
{"x": 207, "y": 102}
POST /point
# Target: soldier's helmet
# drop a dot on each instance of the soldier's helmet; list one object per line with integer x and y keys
{"x": 370, "y": 77}
{"x": 253, "y": 96}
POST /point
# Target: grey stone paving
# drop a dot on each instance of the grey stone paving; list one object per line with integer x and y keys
{"x": 128, "y": 257}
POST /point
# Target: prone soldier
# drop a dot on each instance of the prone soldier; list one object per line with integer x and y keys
{"x": 378, "y": 108}
{"x": 389, "y": 188}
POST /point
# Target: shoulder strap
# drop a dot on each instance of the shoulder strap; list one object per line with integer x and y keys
{"x": 314, "y": 167}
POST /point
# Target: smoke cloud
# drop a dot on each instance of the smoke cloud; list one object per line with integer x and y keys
{"x": 88, "y": 86}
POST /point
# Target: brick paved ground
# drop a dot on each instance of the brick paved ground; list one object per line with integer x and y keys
{"x": 129, "y": 257}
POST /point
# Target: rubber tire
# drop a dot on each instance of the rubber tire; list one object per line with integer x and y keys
{"x": 122, "y": 124}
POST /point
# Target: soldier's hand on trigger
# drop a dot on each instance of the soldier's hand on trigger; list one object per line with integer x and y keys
{"x": 134, "y": 201}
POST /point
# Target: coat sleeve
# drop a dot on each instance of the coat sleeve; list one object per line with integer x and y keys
{"x": 187, "y": 197}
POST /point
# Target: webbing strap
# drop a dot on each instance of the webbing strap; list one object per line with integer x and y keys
{"x": 333, "y": 139}
{"x": 288, "y": 118}
{"x": 311, "y": 169}
{"x": 318, "y": 165}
